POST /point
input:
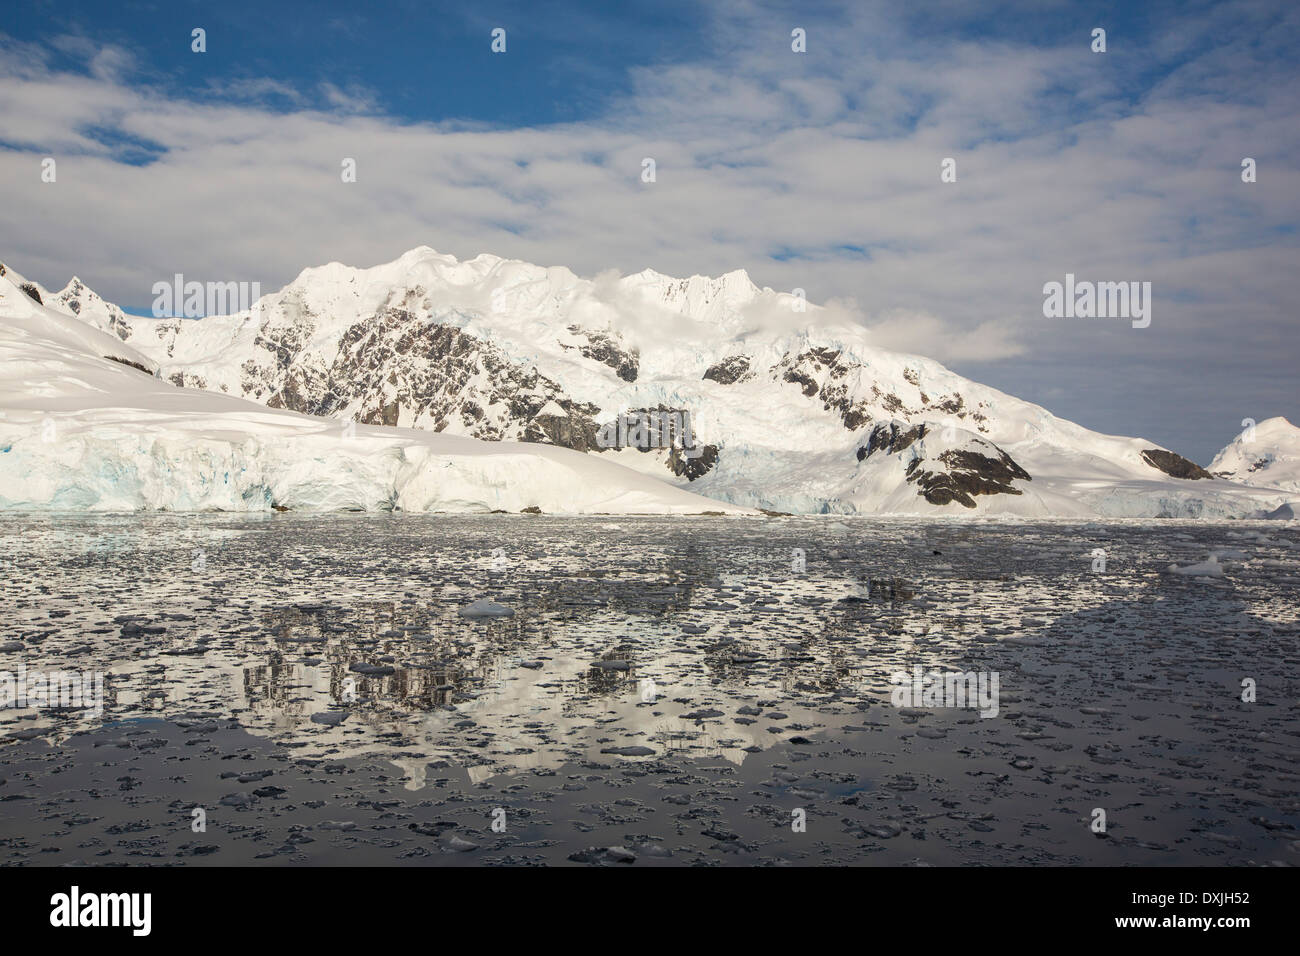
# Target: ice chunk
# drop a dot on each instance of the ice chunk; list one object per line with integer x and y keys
{"x": 485, "y": 608}
{"x": 1206, "y": 569}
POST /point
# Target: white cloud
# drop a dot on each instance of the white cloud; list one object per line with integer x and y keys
{"x": 903, "y": 330}
{"x": 819, "y": 172}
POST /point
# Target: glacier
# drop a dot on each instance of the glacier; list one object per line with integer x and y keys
{"x": 790, "y": 397}
{"x": 85, "y": 425}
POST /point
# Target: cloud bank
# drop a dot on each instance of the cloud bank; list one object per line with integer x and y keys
{"x": 819, "y": 171}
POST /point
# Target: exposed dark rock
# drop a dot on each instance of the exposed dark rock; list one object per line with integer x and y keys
{"x": 396, "y": 364}
{"x": 825, "y": 373}
{"x": 659, "y": 427}
{"x": 384, "y": 415}
{"x": 663, "y": 428}
{"x": 135, "y": 365}
{"x": 965, "y": 475}
{"x": 1175, "y": 466}
{"x": 891, "y": 438}
{"x": 187, "y": 380}
{"x": 695, "y": 467}
{"x": 607, "y": 350}
{"x": 576, "y": 431}
{"x": 959, "y": 474}
{"x": 806, "y": 382}
{"x": 734, "y": 368}
{"x": 32, "y": 291}
{"x": 856, "y": 417}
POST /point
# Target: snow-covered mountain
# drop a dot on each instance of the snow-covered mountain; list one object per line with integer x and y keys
{"x": 1267, "y": 454}
{"x": 85, "y": 424}
{"x": 795, "y": 410}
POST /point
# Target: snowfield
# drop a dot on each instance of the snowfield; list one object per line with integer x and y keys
{"x": 1267, "y": 455}
{"x": 80, "y": 430}
{"x": 798, "y": 410}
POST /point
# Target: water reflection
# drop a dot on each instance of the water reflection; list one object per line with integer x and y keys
{"x": 340, "y": 635}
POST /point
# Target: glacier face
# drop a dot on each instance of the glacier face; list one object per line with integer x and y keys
{"x": 784, "y": 395}
{"x": 85, "y": 424}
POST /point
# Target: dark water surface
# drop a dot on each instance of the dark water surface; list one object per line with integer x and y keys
{"x": 676, "y": 689}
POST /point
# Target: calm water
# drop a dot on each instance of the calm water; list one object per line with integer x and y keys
{"x": 683, "y": 690}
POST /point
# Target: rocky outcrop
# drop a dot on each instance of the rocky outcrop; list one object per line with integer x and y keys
{"x": 394, "y": 369}
{"x": 1175, "y": 466}
{"x": 692, "y": 468}
{"x": 663, "y": 429}
{"x": 609, "y": 351}
{"x": 890, "y": 438}
{"x": 965, "y": 473}
{"x": 134, "y": 365}
{"x": 576, "y": 430}
{"x": 824, "y": 373}
{"x": 77, "y": 298}
{"x": 732, "y": 369}
{"x": 960, "y": 472}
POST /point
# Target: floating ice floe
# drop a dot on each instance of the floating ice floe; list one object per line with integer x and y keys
{"x": 1206, "y": 569}
{"x": 1228, "y": 554}
{"x": 485, "y": 608}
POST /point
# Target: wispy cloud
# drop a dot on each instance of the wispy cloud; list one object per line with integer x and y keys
{"x": 817, "y": 170}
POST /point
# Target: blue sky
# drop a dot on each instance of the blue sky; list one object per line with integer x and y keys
{"x": 431, "y": 61}
{"x": 415, "y": 61}
{"x": 817, "y": 170}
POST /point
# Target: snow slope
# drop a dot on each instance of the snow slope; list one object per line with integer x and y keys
{"x": 786, "y": 396}
{"x": 80, "y": 429}
{"x": 1268, "y": 456}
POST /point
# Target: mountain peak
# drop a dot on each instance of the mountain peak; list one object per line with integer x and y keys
{"x": 502, "y": 349}
{"x": 1267, "y": 454}
{"x": 76, "y": 289}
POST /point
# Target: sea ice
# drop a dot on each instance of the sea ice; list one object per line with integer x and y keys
{"x": 485, "y": 608}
